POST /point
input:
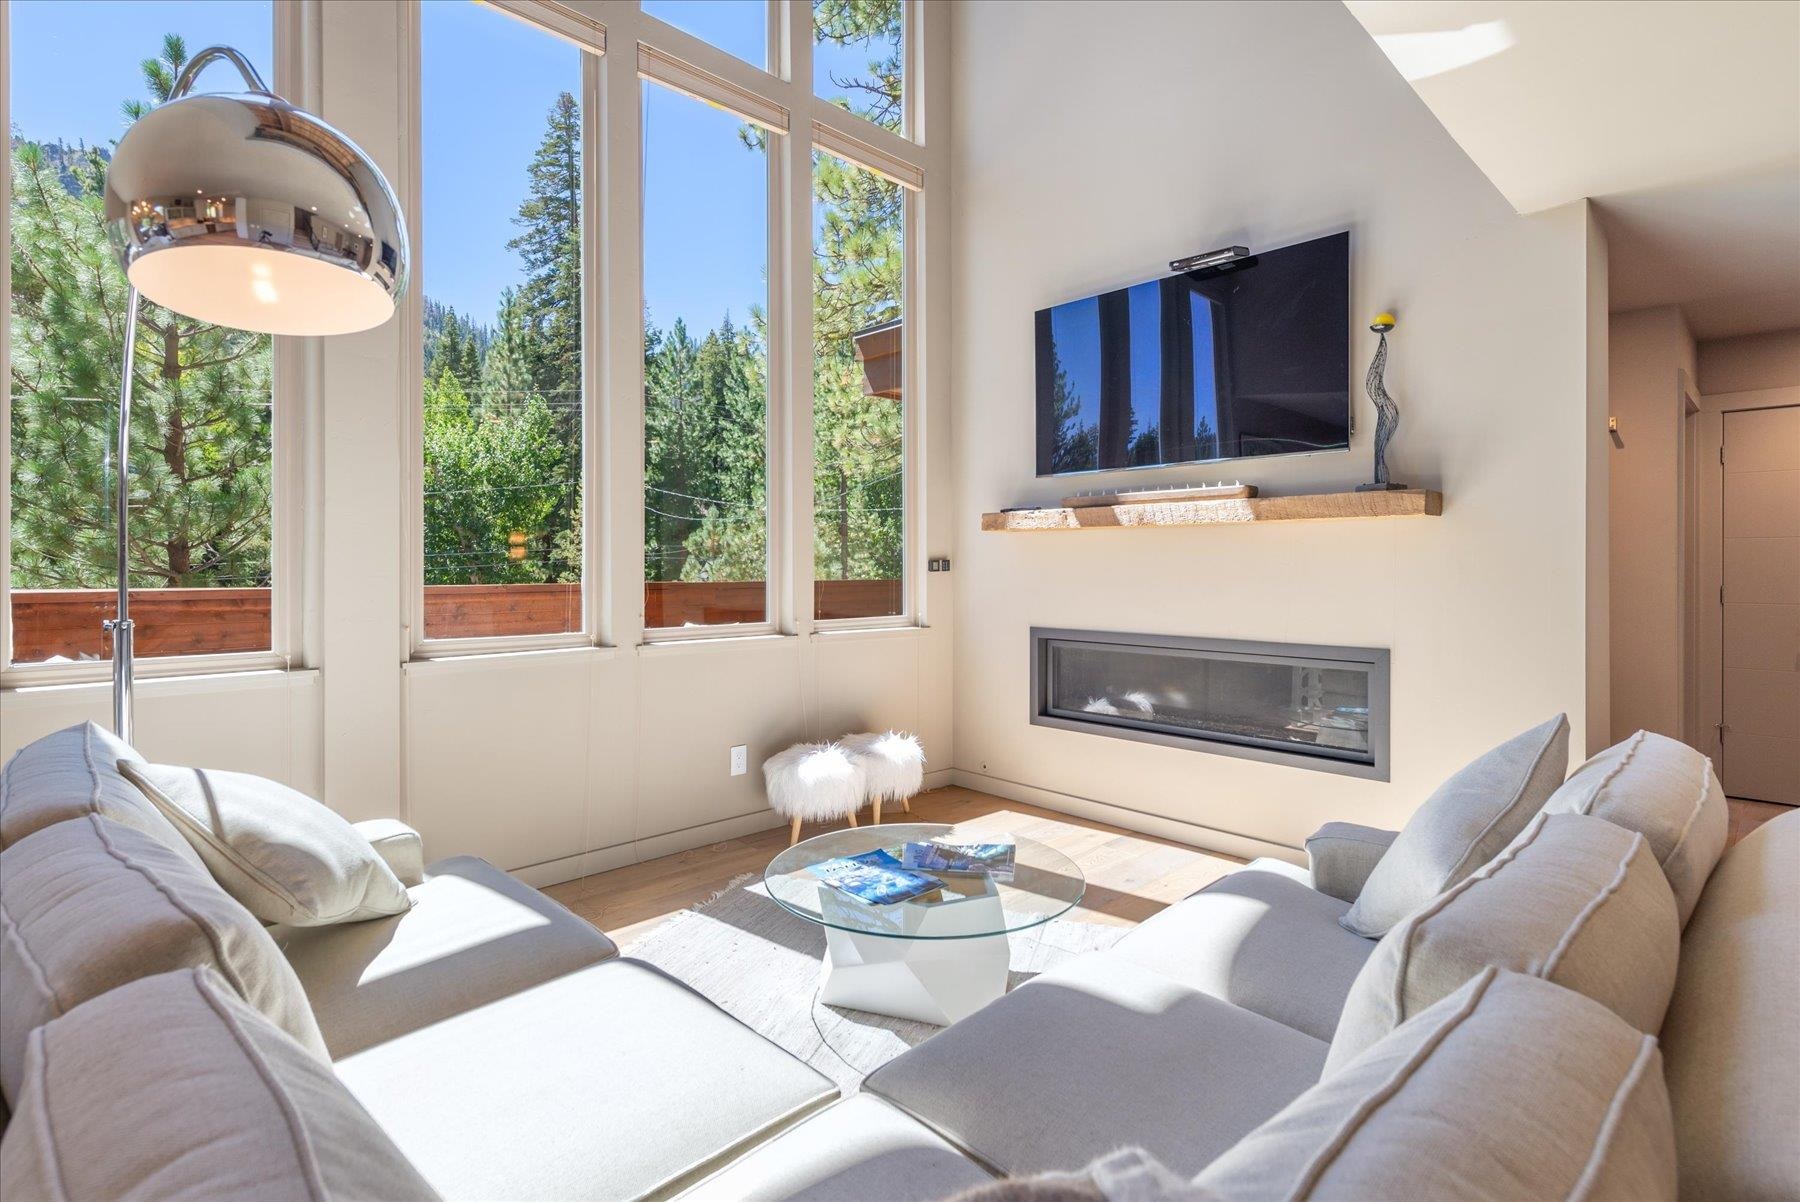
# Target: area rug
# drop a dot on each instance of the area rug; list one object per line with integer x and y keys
{"x": 761, "y": 964}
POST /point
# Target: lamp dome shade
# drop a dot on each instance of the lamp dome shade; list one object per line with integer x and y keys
{"x": 244, "y": 211}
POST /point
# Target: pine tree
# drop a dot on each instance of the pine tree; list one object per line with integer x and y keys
{"x": 547, "y": 308}
{"x": 200, "y": 460}
{"x": 549, "y": 246}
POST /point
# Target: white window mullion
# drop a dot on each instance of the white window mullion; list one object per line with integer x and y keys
{"x": 797, "y": 305}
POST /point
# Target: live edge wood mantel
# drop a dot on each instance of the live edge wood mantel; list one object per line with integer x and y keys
{"x": 1410, "y": 503}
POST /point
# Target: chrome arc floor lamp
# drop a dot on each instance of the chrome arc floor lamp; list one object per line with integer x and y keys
{"x": 240, "y": 210}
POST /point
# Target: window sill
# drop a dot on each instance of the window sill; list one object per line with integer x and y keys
{"x": 848, "y": 634}
{"x": 683, "y": 645}
{"x": 475, "y": 661}
{"x": 27, "y": 692}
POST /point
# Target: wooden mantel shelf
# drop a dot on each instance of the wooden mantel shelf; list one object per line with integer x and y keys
{"x": 1411, "y": 503}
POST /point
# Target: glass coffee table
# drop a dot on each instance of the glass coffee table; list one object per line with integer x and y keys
{"x": 934, "y": 961}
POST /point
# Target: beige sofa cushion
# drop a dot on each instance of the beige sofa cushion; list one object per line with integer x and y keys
{"x": 1731, "y": 1042}
{"x": 1462, "y": 826}
{"x": 283, "y": 855}
{"x": 860, "y": 1148}
{"x": 1667, "y": 792}
{"x": 89, "y": 905}
{"x": 615, "y": 1082}
{"x": 70, "y": 774}
{"x": 1574, "y": 900}
{"x": 1260, "y": 939}
{"x": 474, "y": 935}
{"x": 1095, "y": 1054}
{"x": 1509, "y": 1088}
{"x": 170, "y": 1087}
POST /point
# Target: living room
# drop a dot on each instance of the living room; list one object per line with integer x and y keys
{"x": 668, "y": 479}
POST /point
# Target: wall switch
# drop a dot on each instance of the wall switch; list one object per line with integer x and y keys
{"x": 740, "y": 759}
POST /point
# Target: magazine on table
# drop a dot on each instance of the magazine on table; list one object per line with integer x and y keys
{"x": 875, "y": 877}
{"x": 951, "y": 855}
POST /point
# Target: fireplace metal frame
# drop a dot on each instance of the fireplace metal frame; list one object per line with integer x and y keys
{"x": 1374, "y": 660}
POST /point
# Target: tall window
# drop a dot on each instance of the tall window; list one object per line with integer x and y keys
{"x": 706, "y": 516}
{"x": 858, "y": 58}
{"x": 201, "y": 458}
{"x": 858, "y": 391}
{"x": 501, "y": 274}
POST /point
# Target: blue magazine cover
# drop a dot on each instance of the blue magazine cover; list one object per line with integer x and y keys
{"x": 945, "y": 855}
{"x": 875, "y": 877}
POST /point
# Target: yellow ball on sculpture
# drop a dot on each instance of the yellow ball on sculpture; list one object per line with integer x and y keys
{"x": 1383, "y": 322}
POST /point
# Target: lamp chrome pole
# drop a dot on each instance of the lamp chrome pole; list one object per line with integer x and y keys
{"x": 120, "y": 626}
{"x": 302, "y": 236}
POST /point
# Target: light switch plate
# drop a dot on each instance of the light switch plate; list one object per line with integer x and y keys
{"x": 740, "y": 759}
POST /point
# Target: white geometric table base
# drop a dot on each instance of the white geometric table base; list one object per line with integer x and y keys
{"x": 929, "y": 980}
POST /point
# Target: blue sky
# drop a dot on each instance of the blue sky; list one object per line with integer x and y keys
{"x": 489, "y": 82}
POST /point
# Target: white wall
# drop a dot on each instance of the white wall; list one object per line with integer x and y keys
{"x": 1750, "y": 363}
{"x": 1094, "y": 142}
{"x": 556, "y": 763}
{"x": 1652, "y": 356}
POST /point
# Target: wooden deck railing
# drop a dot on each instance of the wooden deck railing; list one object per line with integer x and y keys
{"x": 49, "y": 623}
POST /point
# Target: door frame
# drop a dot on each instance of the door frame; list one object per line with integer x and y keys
{"x": 1706, "y": 674}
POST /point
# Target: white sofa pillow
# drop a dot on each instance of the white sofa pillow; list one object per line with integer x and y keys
{"x": 171, "y": 1087}
{"x": 1574, "y": 900}
{"x": 1666, "y": 791}
{"x": 1462, "y": 826}
{"x": 286, "y": 857}
{"x": 1511, "y": 1087}
{"x": 89, "y": 905}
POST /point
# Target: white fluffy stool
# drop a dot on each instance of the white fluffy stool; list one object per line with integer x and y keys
{"x": 893, "y": 764}
{"x": 814, "y": 782}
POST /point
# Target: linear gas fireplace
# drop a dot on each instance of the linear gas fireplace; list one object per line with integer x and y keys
{"x": 1288, "y": 703}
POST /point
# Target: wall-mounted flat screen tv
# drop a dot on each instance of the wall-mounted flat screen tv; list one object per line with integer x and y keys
{"x": 1246, "y": 359}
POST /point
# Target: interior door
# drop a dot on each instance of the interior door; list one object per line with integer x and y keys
{"x": 1760, "y": 604}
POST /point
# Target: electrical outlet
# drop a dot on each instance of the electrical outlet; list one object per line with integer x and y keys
{"x": 740, "y": 759}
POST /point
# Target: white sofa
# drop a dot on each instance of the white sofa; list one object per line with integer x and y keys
{"x": 508, "y": 1051}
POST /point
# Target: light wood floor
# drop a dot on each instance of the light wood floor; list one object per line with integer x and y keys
{"x": 1746, "y": 816}
{"x": 1130, "y": 876}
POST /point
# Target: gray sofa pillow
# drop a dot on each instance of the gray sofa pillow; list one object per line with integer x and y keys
{"x": 90, "y": 905}
{"x": 72, "y": 773}
{"x": 1574, "y": 900}
{"x": 1462, "y": 826}
{"x": 171, "y": 1087}
{"x": 1511, "y": 1087}
{"x": 1666, "y": 791}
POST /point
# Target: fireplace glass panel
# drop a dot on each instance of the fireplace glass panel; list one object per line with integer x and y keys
{"x": 1284, "y": 703}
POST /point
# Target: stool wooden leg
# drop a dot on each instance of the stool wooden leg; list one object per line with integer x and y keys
{"x": 906, "y": 804}
{"x": 794, "y": 835}
{"x": 877, "y": 804}
{"x": 852, "y": 817}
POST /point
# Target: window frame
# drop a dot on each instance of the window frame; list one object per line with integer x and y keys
{"x": 293, "y": 417}
{"x": 658, "y": 68}
{"x": 590, "y": 37}
{"x": 626, "y": 47}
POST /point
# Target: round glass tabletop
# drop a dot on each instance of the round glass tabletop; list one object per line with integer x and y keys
{"x": 1037, "y": 885}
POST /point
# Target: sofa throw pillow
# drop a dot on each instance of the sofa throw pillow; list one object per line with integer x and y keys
{"x": 1666, "y": 791}
{"x": 89, "y": 905}
{"x": 1462, "y": 826}
{"x": 1511, "y": 1087}
{"x": 171, "y": 1087}
{"x": 1574, "y": 900}
{"x": 70, "y": 774}
{"x": 286, "y": 857}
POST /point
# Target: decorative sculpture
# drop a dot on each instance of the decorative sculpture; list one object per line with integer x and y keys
{"x": 1388, "y": 413}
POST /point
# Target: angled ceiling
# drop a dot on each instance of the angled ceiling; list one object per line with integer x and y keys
{"x": 1680, "y": 119}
